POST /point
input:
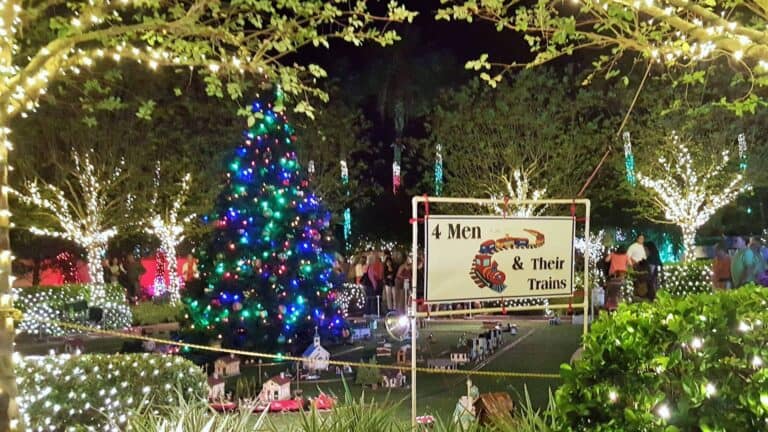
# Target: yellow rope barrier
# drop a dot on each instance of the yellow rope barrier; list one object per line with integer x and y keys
{"x": 284, "y": 357}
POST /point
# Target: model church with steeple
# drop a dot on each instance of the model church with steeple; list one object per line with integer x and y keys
{"x": 316, "y": 357}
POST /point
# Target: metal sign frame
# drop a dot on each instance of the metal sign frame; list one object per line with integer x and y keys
{"x": 413, "y": 313}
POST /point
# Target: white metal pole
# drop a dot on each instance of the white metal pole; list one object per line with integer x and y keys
{"x": 586, "y": 265}
{"x": 415, "y": 264}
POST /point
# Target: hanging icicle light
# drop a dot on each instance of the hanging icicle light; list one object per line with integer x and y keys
{"x": 396, "y": 168}
{"x": 347, "y": 211}
{"x": 629, "y": 159}
{"x": 439, "y": 170}
{"x": 742, "y": 152}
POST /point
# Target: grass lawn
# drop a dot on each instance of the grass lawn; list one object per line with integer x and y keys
{"x": 542, "y": 351}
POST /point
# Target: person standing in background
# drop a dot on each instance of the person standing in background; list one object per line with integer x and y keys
{"x": 389, "y": 282}
{"x": 737, "y": 261}
{"x": 636, "y": 251}
{"x": 403, "y": 275}
{"x": 133, "y": 272}
{"x": 721, "y": 269}
{"x": 655, "y": 268}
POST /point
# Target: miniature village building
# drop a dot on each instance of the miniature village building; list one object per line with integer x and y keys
{"x": 392, "y": 379}
{"x": 316, "y": 358}
{"x": 276, "y": 388}
{"x": 360, "y": 333}
{"x": 460, "y": 357}
{"x": 384, "y": 350}
{"x": 441, "y": 363}
{"x": 215, "y": 387}
{"x": 491, "y": 407}
{"x": 227, "y": 366}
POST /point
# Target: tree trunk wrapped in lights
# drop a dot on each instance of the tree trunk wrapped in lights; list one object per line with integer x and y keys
{"x": 168, "y": 227}
{"x": 516, "y": 190}
{"x": 84, "y": 210}
{"x": 689, "y": 191}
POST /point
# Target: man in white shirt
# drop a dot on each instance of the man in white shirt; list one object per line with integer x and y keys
{"x": 636, "y": 252}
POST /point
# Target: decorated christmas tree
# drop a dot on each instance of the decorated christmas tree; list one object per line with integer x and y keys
{"x": 266, "y": 273}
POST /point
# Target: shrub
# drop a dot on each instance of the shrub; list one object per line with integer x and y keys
{"x": 43, "y": 304}
{"x": 99, "y": 392}
{"x": 688, "y": 277}
{"x": 194, "y": 415}
{"x": 148, "y": 313}
{"x": 687, "y": 363}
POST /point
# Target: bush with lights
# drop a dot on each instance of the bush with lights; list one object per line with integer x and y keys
{"x": 99, "y": 392}
{"x": 680, "y": 364}
{"x": 267, "y": 271}
{"x": 41, "y": 305}
{"x": 687, "y": 277}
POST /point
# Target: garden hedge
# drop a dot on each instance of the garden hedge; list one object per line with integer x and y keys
{"x": 688, "y": 277}
{"x": 41, "y": 304}
{"x": 148, "y": 313}
{"x": 692, "y": 363}
{"x": 99, "y": 392}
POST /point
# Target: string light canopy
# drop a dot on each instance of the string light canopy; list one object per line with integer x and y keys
{"x": 670, "y": 32}
{"x": 84, "y": 212}
{"x": 690, "y": 191}
{"x": 517, "y": 188}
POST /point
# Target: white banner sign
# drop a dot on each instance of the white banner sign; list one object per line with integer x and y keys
{"x": 478, "y": 257}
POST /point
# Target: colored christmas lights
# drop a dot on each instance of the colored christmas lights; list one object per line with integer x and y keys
{"x": 629, "y": 159}
{"x": 396, "y": 167}
{"x": 438, "y": 170}
{"x": 268, "y": 279}
{"x": 68, "y": 265}
{"x": 689, "y": 195}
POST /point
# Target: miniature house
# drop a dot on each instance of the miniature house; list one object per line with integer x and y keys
{"x": 460, "y": 357}
{"x": 404, "y": 354}
{"x": 316, "y": 358}
{"x": 227, "y": 366}
{"x": 360, "y": 333}
{"x": 215, "y": 387}
{"x": 384, "y": 350}
{"x": 276, "y": 388}
{"x": 491, "y": 407}
{"x": 392, "y": 379}
{"x": 441, "y": 363}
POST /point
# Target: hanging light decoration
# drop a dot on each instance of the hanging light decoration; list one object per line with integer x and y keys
{"x": 742, "y": 152}
{"x": 439, "y": 170}
{"x": 629, "y": 159}
{"x": 347, "y": 211}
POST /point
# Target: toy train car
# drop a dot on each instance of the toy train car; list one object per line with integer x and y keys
{"x": 488, "y": 247}
{"x": 511, "y": 242}
{"x": 487, "y": 270}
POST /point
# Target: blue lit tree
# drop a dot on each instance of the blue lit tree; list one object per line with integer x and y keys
{"x": 265, "y": 271}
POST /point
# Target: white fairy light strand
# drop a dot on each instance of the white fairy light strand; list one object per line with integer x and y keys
{"x": 168, "y": 227}
{"x": 686, "y": 194}
{"x": 517, "y": 191}
{"x": 86, "y": 224}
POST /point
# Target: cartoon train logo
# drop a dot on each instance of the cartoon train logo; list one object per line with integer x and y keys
{"x": 485, "y": 270}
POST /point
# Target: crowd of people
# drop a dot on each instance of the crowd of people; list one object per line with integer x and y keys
{"x": 385, "y": 275}
{"x": 737, "y": 262}
{"x": 745, "y": 263}
{"x": 643, "y": 259}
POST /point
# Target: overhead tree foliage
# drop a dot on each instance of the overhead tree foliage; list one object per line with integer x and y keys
{"x": 664, "y": 32}
{"x": 40, "y": 42}
{"x": 535, "y": 123}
